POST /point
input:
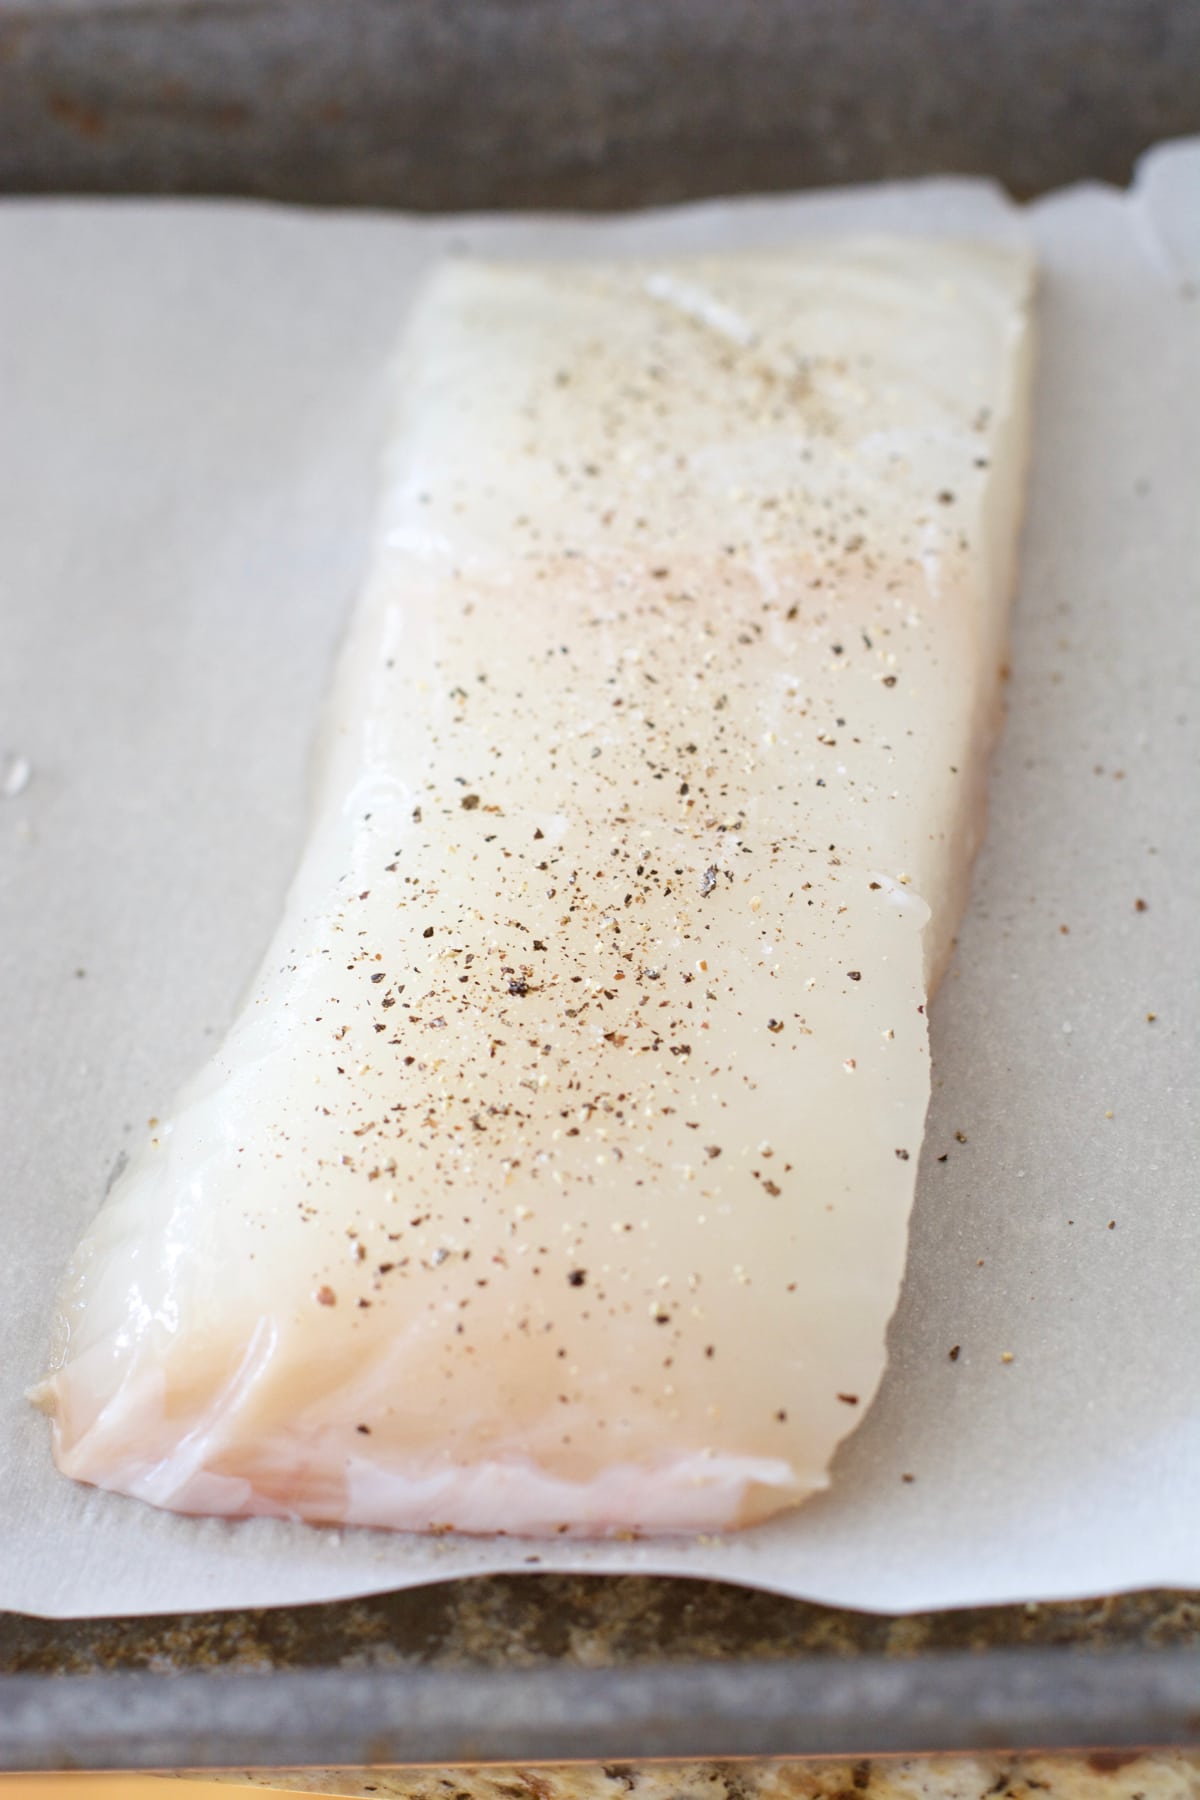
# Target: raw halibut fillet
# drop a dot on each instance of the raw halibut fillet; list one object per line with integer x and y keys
{"x": 556, "y": 1174}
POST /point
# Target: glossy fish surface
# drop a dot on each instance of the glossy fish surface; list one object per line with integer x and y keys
{"x": 556, "y": 1174}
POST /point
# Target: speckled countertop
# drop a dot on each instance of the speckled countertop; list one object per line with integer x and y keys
{"x": 1098, "y": 1777}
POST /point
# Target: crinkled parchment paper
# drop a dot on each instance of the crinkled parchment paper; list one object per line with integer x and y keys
{"x": 192, "y": 398}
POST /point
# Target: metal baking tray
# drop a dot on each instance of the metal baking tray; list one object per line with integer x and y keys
{"x": 594, "y": 104}
{"x": 547, "y": 1668}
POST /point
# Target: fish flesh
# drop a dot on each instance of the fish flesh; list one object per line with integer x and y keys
{"x": 555, "y": 1175}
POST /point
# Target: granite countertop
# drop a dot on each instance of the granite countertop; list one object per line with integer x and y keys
{"x": 1101, "y": 1776}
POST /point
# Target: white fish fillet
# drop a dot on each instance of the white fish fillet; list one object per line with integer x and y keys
{"x": 556, "y": 1174}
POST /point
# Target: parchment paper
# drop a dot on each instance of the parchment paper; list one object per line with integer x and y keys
{"x": 191, "y": 403}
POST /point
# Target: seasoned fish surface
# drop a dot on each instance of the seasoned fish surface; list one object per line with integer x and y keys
{"x": 556, "y": 1174}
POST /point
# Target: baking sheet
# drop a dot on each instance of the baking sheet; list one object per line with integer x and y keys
{"x": 191, "y": 405}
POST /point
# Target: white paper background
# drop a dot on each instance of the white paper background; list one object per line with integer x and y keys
{"x": 191, "y": 404}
